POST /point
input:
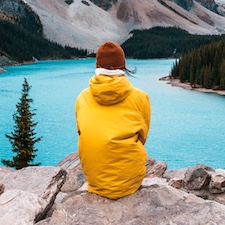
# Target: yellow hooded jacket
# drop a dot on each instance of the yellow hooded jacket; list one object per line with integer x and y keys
{"x": 113, "y": 120}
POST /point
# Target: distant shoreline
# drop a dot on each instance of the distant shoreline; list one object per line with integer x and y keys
{"x": 4, "y": 61}
{"x": 177, "y": 83}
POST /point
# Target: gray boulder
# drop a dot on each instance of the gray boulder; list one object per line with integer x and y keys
{"x": 217, "y": 183}
{"x": 19, "y": 207}
{"x": 197, "y": 177}
{"x": 154, "y": 168}
{"x": 29, "y": 193}
{"x": 200, "y": 180}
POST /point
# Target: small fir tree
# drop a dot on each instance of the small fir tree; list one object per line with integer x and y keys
{"x": 23, "y": 137}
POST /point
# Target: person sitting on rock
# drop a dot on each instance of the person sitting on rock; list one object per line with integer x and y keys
{"x": 113, "y": 120}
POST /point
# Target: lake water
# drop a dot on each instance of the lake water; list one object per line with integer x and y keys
{"x": 187, "y": 127}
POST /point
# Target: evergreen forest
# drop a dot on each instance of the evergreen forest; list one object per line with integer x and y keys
{"x": 203, "y": 67}
{"x": 20, "y": 45}
{"x": 164, "y": 42}
{"x": 22, "y": 36}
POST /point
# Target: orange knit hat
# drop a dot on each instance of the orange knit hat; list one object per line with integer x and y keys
{"x": 110, "y": 55}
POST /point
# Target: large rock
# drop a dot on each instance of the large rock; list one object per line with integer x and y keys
{"x": 154, "y": 168}
{"x": 200, "y": 180}
{"x": 75, "y": 177}
{"x": 31, "y": 186}
{"x": 27, "y": 196}
{"x": 70, "y": 162}
{"x": 175, "y": 177}
{"x": 19, "y": 207}
{"x": 154, "y": 204}
{"x": 197, "y": 177}
{"x": 217, "y": 183}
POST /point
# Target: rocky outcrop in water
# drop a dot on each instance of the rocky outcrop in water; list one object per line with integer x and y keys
{"x": 58, "y": 195}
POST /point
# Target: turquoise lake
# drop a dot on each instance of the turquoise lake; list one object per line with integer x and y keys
{"x": 187, "y": 127}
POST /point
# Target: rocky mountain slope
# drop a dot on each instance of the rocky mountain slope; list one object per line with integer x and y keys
{"x": 88, "y": 23}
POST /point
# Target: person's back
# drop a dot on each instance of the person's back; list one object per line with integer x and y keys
{"x": 113, "y": 121}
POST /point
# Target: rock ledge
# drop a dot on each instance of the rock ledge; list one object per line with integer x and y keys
{"x": 58, "y": 196}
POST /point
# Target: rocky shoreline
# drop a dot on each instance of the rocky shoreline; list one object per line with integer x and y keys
{"x": 177, "y": 83}
{"x": 4, "y": 61}
{"x": 58, "y": 195}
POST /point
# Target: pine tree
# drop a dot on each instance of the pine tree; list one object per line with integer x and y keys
{"x": 23, "y": 137}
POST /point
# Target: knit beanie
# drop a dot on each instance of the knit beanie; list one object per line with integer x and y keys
{"x": 110, "y": 56}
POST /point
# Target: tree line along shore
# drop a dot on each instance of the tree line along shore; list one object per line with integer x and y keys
{"x": 203, "y": 67}
{"x": 200, "y": 58}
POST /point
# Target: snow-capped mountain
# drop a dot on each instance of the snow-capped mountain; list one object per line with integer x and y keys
{"x": 83, "y": 24}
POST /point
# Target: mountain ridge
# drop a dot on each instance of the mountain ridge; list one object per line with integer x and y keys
{"x": 86, "y": 24}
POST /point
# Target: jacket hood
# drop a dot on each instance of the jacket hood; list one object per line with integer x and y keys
{"x": 109, "y": 90}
